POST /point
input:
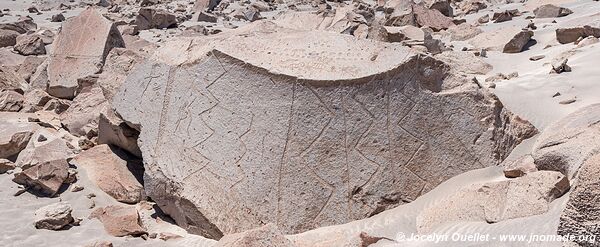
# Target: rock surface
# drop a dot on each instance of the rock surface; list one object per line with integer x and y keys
{"x": 46, "y": 177}
{"x": 113, "y": 172}
{"x": 119, "y": 221}
{"x": 80, "y": 50}
{"x": 54, "y": 216}
{"x": 327, "y": 142}
{"x": 265, "y": 236}
{"x": 551, "y": 11}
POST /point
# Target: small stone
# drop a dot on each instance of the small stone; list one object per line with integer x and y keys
{"x": 560, "y": 66}
{"x": 58, "y": 18}
{"x": 567, "y": 102}
{"x": 54, "y": 216}
{"x": 537, "y": 57}
{"x": 77, "y": 188}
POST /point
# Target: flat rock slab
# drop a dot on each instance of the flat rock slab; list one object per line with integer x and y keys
{"x": 14, "y": 136}
{"x": 79, "y": 50}
{"x": 268, "y": 125}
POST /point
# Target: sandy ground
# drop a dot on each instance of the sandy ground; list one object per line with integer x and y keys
{"x": 529, "y": 95}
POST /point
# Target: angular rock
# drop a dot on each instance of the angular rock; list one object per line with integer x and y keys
{"x": 114, "y": 131}
{"x": 10, "y": 80}
{"x": 8, "y": 37}
{"x": 29, "y": 67}
{"x": 79, "y": 51}
{"x": 82, "y": 116}
{"x": 566, "y": 144}
{"x": 30, "y": 45}
{"x": 264, "y": 236}
{"x": 116, "y": 69}
{"x": 260, "y": 132}
{"x": 572, "y": 34}
{"x": 11, "y": 101}
{"x": 45, "y": 177}
{"x": 206, "y": 17}
{"x": 35, "y": 100}
{"x": 119, "y": 221}
{"x": 6, "y": 165}
{"x": 587, "y": 41}
{"x": 518, "y": 42}
{"x": 57, "y": 18}
{"x": 204, "y": 5}
{"x": 581, "y": 216}
{"x": 495, "y": 201}
{"x": 112, "y": 170}
{"x": 519, "y": 167}
{"x": 502, "y": 16}
{"x": 45, "y": 145}
{"x": 150, "y": 18}
{"x": 420, "y": 16}
{"x": 23, "y": 25}
{"x": 551, "y": 11}
{"x": 14, "y": 137}
{"x": 463, "y": 32}
{"x": 560, "y": 66}
{"x": 54, "y": 216}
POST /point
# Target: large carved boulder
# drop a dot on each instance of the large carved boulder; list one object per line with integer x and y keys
{"x": 297, "y": 128}
{"x": 80, "y": 50}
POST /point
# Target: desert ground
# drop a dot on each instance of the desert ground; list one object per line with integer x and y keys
{"x": 279, "y": 123}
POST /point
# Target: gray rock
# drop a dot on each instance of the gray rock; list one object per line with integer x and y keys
{"x": 54, "y": 216}
{"x": 150, "y": 18}
{"x": 45, "y": 177}
{"x": 518, "y": 42}
{"x": 30, "y": 45}
{"x": 80, "y": 50}
{"x": 11, "y": 101}
{"x": 551, "y": 11}
{"x": 572, "y": 34}
{"x": 14, "y": 137}
{"x": 264, "y": 134}
{"x": 8, "y": 37}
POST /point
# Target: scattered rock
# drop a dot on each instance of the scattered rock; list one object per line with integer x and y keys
{"x": 567, "y": 102}
{"x": 537, "y": 57}
{"x": 519, "y": 167}
{"x": 149, "y": 18}
{"x": 484, "y": 19}
{"x": 8, "y": 37}
{"x": 58, "y": 18}
{"x": 590, "y": 40}
{"x": 112, "y": 170}
{"x": 6, "y": 165}
{"x": 82, "y": 116}
{"x": 14, "y": 137}
{"x": 10, "y": 80}
{"x": 11, "y": 101}
{"x": 551, "y": 11}
{"x": 165, "y": 236}
{"x": 114, "y": 131}
{"x": 569, "y": 35}
{"x": 54, "y": 216}
{"x": 45, "y": 178}
{"x": 560, "y": 66}
{"x": 206, "y": 17}
{"x": 518, "y": 42}
{"x": 45, "y": 145}
{"x": 30, "y": 45}
{"x": 119, "y": 221}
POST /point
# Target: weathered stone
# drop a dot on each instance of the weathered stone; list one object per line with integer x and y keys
{"x": 502, "y": 16}
{"x": 581, "y": 216}
{"x": 54, "y": 216}
{"x": 45, "y": 145}
{"x": 443, "y": 6}
{"x": 463, "y": 31}
{"x": 8, "y": 37}
{"x": 116, "y": 69}
{"x": 11, "y": 101}
{"x": 551, "y": 11}
{"x": 204, "y": 5}
{"x": 113, "y": 130}
{"x": 45, "y": 177}
{"x": 79, "y": 51}
{"x": 263, "y": 134}
{"x": 518, "y": 42}
{"x": 484, "y": 19}
{"x": 519, "y": 167}
{"x": 569, "y": 35}
{"x": 119, "y": 221}
{"x": 10, "y": 80}
{"x": 14, "y": 137}
{"x": 265, "y": 236}
{"x": 6, "y": 165}
{"x": 29, "y": 67}
{"x": 206, "y": 17}
{"x": 112, "y": 170}
{"x": 23, "y": 25}
{"x": 100, "y": 244}
{"x": 567, "y": 143}
{"x": 560, "y": 66}
{"x": 495, "y": 201}
{"x": 35, "y": 100}
{"x": 149, "y": 18}
{"x": 590, "y": 40}
{"x": 419, "y": 16}
{"x": 30, "y": 45}
{"x": 83, "y": 115}
{"x": 57, "y": 18}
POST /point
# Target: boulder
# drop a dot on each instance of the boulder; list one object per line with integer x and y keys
{"x": 35, "y": 100}
{"x": 22, "y": 25}
{"x": 30, "y": 45}
{"x": 463, "y": 32}
{"x": 502, "y": 16}
{"x": 45, "y": 177}
{"x": 119, "y": 220}
{"x": 14, "y": 137}
{"x": 206, "y": 17}
{"x": 497, "y": 39}
{"x": 243, "y": 136}
{"x": 150, "y": 18}
{"x": 495, "y": 201}
{"x": 204, "y": 5}
{"x": 518, "y": 42}
{"x": 8, "y": 37}
{"x": 581, "y": 216}
{"x": 566, "y": 144}
{"x": 265, "y": 236}
{"x": 45, "y": 145}
{"x": 116, "y": 69}
{"x": 112, "y": 170}
{"x": 6, "y": 165}
{"x": 80, "y": 50}
{"x": 114, "y": 131}
{"x": 55, "y": 216}
{"x": 82, "y": 116}
{"x": 419, "y": 16}
{"x": 443, "y": 6}
{"x": 551, "y": 11}
{"x": 9, "y": 79}
{"x": 572, "y": 34}
{"x": 11, "y": 101}
{"x": 29, "y": 67}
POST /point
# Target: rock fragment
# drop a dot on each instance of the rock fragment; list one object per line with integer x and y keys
{"x": 518, "y": 42}
{"x": 112, "y": 170}
{"x": 551, "y": 11}
{"x": 267, "y": 235}
{"x": 30, "y": 45}
{"x": 560, "y": 66}
{"x": 46, "y": 177}
{"x": 14, "y": 137}
{"x": 572, "y": 34}
{"x": 6, "y": 165}
{"x": 54, "y": 216}
{"x": 151, "y": 18}
{"x": 119, "y": 221}
{"x": 11, "y": 101}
